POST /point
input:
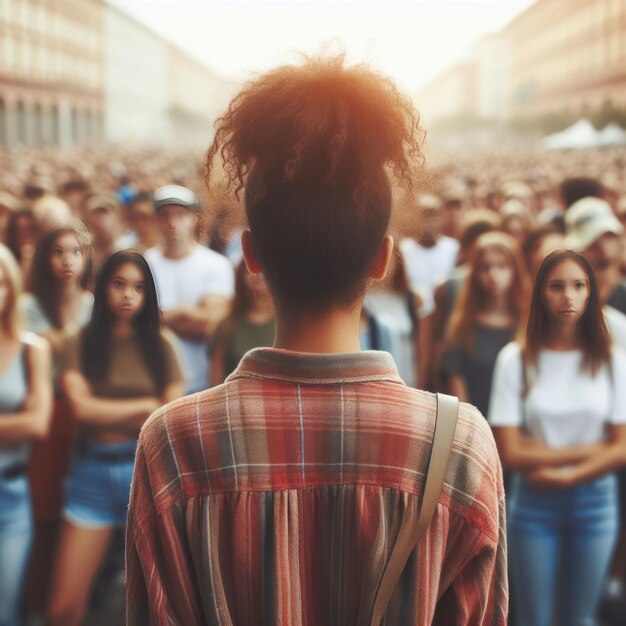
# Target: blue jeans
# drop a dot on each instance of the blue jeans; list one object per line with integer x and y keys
{"x": 560, "y": 548}
{"x": 16, "y": 533}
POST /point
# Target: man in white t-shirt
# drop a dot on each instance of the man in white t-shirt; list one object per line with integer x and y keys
{"x": 194, "y": 284}
{"x": 594, "y": 231}
{"x": 432, "y": 256}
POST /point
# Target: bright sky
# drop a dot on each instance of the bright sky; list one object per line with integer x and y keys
{"x": 412, "y": 40}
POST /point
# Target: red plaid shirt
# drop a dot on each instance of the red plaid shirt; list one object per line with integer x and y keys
{"x": 276, "y": 499}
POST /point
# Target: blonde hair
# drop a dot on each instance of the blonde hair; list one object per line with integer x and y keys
{"x": 461, "y": 330}
{"x": 11, "y": 317}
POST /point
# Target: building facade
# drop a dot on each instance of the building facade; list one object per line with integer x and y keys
{"x": 567, "y": 55}
{"x": 558, "y": 56}
{"x": 50, "y": 71}
{"x": 77, "y": 71}
{"x": 450, "y": 95}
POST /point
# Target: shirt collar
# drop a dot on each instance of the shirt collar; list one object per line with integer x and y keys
{"x": 316, "y": 368}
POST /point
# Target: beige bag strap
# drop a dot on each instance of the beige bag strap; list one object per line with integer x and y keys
{"x": 415, "y": 525}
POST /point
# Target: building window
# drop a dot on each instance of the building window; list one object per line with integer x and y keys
{"x": 3, "y": 123}
{"x": 20, "y": 123}
{"x": 74, "y": 137}
{"x": 54, "y": 124}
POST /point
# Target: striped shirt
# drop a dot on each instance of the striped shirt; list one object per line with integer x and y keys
{"x": 276, "y": 499}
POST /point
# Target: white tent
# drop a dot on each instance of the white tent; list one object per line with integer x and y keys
{"x": 582, "y": 134}
{"x": 612, "y": 135}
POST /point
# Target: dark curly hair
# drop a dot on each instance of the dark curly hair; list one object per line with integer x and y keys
{"x": 313, "y": 145}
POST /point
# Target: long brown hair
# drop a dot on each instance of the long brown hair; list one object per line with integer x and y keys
{"x": 42, "y": 283}
{"x": 462, "y": 328}
{"x": 591, "y": 327}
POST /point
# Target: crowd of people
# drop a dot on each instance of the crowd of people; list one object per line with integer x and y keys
{"x": 122, "y": 288}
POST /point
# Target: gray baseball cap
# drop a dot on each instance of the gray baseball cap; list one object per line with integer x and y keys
{"x": 175, "y": 194}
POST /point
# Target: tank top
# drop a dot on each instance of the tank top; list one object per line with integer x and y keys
{"x": 13, "y": 392}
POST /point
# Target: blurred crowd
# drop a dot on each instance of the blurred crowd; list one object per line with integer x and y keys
{"x": 470, "y": 238}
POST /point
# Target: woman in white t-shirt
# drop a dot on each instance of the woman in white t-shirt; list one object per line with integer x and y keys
{"x": 558, "y": 408}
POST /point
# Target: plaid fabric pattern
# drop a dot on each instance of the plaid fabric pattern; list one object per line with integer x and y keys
{"x": 276, "y": 499}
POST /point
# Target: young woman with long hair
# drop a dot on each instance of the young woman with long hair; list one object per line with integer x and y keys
{"x": 119, "y": 369}
{"x": 25, "y": 408}
{"x": 487, "y": 315}
{"x": 558, "y": 409}
{"x": 279, "y": 495}
{"x": 249, "y": 325}
{"x": 56, "y": 307}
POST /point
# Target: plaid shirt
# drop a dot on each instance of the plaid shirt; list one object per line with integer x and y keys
{"x": 276, "y": 499}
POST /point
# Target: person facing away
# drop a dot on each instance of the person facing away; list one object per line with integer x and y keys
{"x": 194, "y": 284}
{"x": 278, "y": 496}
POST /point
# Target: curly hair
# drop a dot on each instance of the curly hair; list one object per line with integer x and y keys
{"x": 312, "y": 145}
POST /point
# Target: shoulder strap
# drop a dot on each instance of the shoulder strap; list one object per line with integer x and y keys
{"x": 415, "y": 525}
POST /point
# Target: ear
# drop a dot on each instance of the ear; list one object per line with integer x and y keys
{"x": 249, "y": 254}
{"x": 381, "y": 263}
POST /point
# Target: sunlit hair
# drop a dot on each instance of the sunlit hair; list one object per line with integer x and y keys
{"x": 11, "y": 315}
{"x": 471, "y": 300}
{"x": 43, "y": 284}
{"x": 591, "y": 327}
{"x": 313, "y": 146}
{"x": 97, "y": 335}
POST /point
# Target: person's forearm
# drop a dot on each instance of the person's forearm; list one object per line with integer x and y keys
{"x": 191, "y": 326}
{"x": 56, "y": 337}
{"x": 533, "y": 455}
{"x": 197, "y": 325}
{"x": 97, "y": 411}
{"x": 22, "y": 426}
{"x": 609, "y": 460}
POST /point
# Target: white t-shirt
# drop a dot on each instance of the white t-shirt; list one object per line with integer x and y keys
{"x": 426, "y": 267}
{"x": 564, "y": 406}
{"x": 186, "y": 281}
{"x": 392, "y": 310}
{"x": 616, "y": 323}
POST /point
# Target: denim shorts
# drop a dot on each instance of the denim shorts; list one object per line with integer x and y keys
{"x": 97, "y": 488}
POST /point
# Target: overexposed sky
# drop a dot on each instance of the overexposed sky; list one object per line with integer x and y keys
{"x": 413, "y": 40}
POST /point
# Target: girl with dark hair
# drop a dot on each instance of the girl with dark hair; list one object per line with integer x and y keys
{"x": 249, "y": 325}
{"x": 487, "y": 315}
{"x": 558, "y": 409}
{"x": 282, "y": 493}
{"x": 56, "y": 307}
{"x": 118, "y": 370}
{"x": 25, "y": 407}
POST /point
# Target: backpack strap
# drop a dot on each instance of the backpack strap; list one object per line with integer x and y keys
{"x": 417, "y": 522}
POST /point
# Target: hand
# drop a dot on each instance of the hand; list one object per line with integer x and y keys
{"x": 593, "y": 449}
{"x": 552, "y": 477}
